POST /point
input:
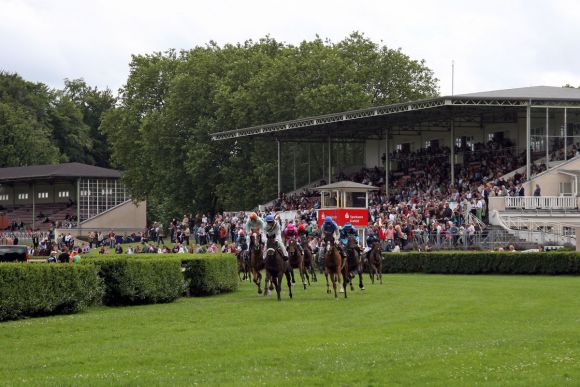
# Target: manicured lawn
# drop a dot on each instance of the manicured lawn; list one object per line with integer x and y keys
{"x": 413, "y": 330}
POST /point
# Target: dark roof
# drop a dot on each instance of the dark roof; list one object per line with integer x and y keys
{"x": 533, "y": 92}
{"x": 346, "y": 185}
{"x": 371, "y": 122}
{"x": 57, "y": 170}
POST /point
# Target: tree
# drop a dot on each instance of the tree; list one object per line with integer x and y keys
{"x": 160, "y": 132}
{"x": 24, "y": 123}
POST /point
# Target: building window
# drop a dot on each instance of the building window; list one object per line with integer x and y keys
{"x": 427, "y": 144}
{"x": 22, "y": 196}
{"x": 3, "y": 198}
{"x": 63, "y": 194}
{"x": 43, "y": 195}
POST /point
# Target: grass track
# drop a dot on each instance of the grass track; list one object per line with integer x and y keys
{"x": 414, "y": 329}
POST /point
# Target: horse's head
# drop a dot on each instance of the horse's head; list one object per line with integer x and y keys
{"x": 253, "y": 242}
{"x": 351, "y": 243}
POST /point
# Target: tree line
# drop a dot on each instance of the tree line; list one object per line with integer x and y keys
{"x": 157, "y": 129}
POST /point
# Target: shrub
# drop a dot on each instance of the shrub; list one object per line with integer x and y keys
{"x": 459, "y": 262}
{"x": 43, "y": 289}
{"x": 139, "y": 281}
{"x": 212, "y": 274}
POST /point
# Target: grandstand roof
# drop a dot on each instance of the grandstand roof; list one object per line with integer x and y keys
{"x": 349, "y": 186}
{"x": 67, "y": 170}
{"x": 466, "y": 110}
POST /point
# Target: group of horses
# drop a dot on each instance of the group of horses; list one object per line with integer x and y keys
{"x": 251, "y": 264}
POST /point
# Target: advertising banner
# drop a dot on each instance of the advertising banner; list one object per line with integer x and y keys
{"x": 356, "y": 216}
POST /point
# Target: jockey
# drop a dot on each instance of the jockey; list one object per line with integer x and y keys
{"x": 241, "y": 241}
{"x": 255, "y": 224}
{"x": 329, "y": 228}
{"x": 273, "y": 229}
{"x": 302, "y": 232}
{"x": 291, "y": 233}
{"x": 347, "y": 231}
{"x": 371, "y": 238}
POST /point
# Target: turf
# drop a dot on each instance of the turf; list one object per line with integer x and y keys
{"x": 412, "y": 330}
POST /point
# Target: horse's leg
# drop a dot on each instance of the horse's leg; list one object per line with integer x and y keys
{"x": 334, "y": 278}
{"x": 306, "y": 275}
{"x": 327, "y": 284}
{"x": 258, "y": 280}
{"x": 345, "y": 277}
{"x": 289, "y": 284}
{"x": 360, "y": 279}
{"x": 279, "y": 286}
{"x": 292, "y": 274}
{"x": 380, "y": 273}
{"x": 301, "y": 268}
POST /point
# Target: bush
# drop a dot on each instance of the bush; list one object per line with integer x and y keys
{"x": 459, "y": 262}
{"x": 139, "y": 281}
{"x": 43, "y": 289}
{"x": 212, "y": 274}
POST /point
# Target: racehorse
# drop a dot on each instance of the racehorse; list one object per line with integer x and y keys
{"x": 375, "y": 260}
{"x": 354, "y": 262}
{"x": 308, "y": 258}
{"x": 244, "y": 265}
{"x": 256, "y": 259}
{"x": 276, "y": 267}
{"x": 333, "y": 266}
{"x": 296, "y": 261}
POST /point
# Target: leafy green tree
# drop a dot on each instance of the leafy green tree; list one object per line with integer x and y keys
{"x": 160, "y": 131}
{"x": 25, "y": 131}
{"x": 92, "y": 103}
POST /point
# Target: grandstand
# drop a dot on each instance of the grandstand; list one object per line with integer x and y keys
{"x": 506, "y": 139}
{"x": 77, "y": 197}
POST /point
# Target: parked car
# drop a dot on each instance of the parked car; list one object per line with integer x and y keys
{"x": 14, "y": 254}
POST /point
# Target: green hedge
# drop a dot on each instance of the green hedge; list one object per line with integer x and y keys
{"x": 551, "y": 263}
{"x": 205, "y": 274}
{"x": 139, "y": 281}
{"x": 42, "y": 289}
{"x": 212, "y": 275}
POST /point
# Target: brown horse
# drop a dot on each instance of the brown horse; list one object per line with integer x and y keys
{"x": 375, "y": 260}
{"x": 308, "y": 258}
{"x": 333, "y": 266}
{"x": 256, "y": 259}
{"x": 244, "y": 265}
{"x": 276, "y": 267}
{"x": 354, "y": 262}
{"x": 296, "y": 261}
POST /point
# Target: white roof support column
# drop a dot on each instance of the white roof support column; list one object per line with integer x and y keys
{"x": 452, "y": 153}
{"x": 528, "y": 134}
{"x": 279, "y": 177}
{"x": 386, "y": 165}
{"x": 547, "y": 138}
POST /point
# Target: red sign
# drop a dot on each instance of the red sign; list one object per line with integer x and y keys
{"x": 354, "y": 216}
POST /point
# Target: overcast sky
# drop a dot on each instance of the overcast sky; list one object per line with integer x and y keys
{"x": 495, "y": 44}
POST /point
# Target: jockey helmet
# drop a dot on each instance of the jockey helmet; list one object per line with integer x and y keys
{"x": 269, "y": 218}
{"x": 328, "y": 219}
{"x": 241, "y": 233}
{"x": 253, "y": 216}
{"x": 348, "y": 226}
{"x": 291, "y": 226}
{"x": 301, "y": 227}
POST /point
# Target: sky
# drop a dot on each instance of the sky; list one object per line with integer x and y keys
{"x": 494, "y": 44}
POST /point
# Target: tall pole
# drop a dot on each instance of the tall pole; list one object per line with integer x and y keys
{"x": 33, "y": 207}
{"x": 79, "y": 200}
{"x": 452, "y": 76}
{"x": 387, "y": 164}
{"x": 528, "y": 134}
{"x": 294, "y": 166}
{"x": 279, "y": 177}
{"x": 452, "y": 154}
{"x": 565, "y": 134}
{"x": 547, "y": 138}
{"x": 329, "y": 162}
{"x": 309, "y": 180}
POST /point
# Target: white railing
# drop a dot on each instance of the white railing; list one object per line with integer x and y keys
{"x": 541, "y": 202}
{"x": 539, "y": 231}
